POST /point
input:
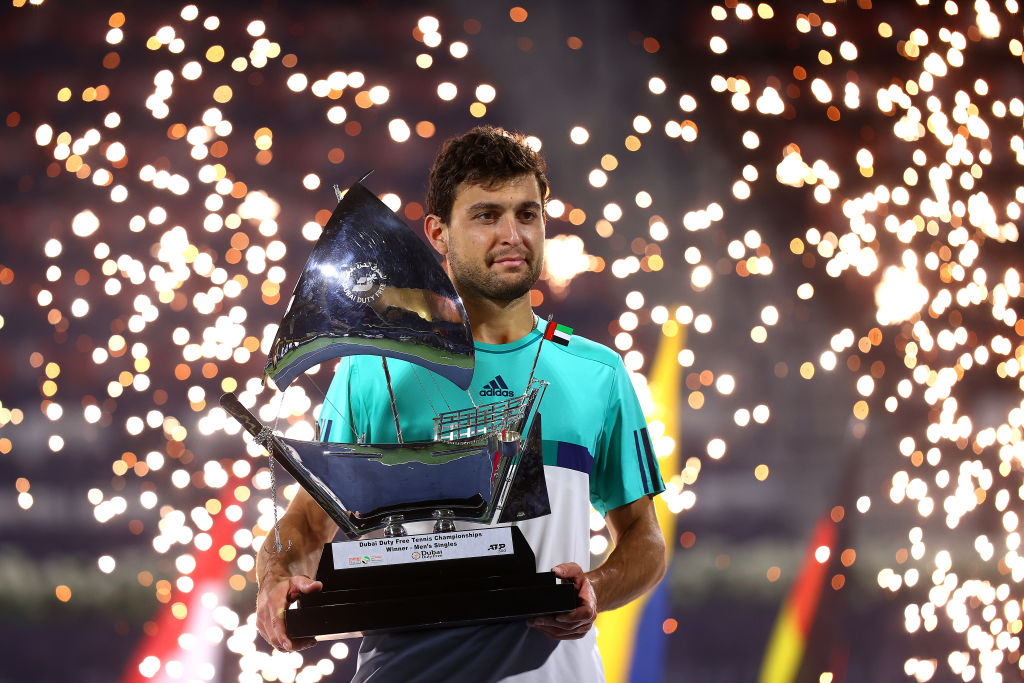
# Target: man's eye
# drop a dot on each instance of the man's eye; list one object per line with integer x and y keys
{"x": 485, "y": 216}
{"x": 527, "y": 216}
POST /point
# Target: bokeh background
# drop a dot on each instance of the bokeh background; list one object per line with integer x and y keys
{"x": 798, "y": 222}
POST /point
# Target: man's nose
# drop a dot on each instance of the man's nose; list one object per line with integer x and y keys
{"x": 510, "y": 230}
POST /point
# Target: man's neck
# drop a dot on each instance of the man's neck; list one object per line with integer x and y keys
{"x": 496, "y": 322}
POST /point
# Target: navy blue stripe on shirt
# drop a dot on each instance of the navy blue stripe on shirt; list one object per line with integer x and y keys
{"x": 501, "y": 382}
{"x": 326, "y": 436}
{"x": 574, "y": 457}
{"x": 640, "y": 461}
{"x": 652, "y": 466}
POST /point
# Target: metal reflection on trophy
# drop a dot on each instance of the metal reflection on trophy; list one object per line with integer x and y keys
{"x": 371, "y": 287}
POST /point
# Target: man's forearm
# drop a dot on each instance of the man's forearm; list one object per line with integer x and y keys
{"x": 635, "y": 565}
{"x": 302, "y": 540}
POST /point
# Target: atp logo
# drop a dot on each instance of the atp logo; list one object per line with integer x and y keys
{"x": 496, "y": 547}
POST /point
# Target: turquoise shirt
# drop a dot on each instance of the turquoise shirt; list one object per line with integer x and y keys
{"x": 592, "y": 421}
{"x": 596, "y": 452}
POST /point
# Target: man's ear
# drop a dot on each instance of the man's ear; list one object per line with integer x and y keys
{"x": 437, "y": 233}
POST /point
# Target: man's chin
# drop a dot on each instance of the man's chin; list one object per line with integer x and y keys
{"x": 505, "y": 286}
{"x": 509, "y": 290}
{"x": 509, "y": 267}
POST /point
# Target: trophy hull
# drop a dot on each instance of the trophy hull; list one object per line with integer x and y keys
{"x": 433, "y": 594}
{"x": 446, "y": 579}
{"x": 361, "y": 486}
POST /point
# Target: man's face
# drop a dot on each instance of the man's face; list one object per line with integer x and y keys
{"x": 496, "y": 238}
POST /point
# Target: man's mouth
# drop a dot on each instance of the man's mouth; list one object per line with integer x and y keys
{"x": 510, "y": 261}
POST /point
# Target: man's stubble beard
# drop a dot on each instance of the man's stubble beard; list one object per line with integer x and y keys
{"x": 490, "y": 285}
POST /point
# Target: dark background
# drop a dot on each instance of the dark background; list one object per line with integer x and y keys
{"x": 819, "y": 454}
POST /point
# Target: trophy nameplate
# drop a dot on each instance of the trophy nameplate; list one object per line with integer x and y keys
{"x": 443, "y": 583}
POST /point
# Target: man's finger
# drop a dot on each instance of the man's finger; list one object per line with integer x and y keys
{"x": 577, "y": 616}
{"x": 274, "y": 631}
{"x": 558, "y": 625}
{"x": 570, "y": 571}
{"x": 573, "y": 623}
{"x": 306, "y": 584}
{"x": 580, "y": 612}
{"x": 281, "y": 641}
{"x": 303, "y": 643}
{"x": 562, "y": 634}
{"x": 272, "y": 603}
{"x": 300, "y": 585}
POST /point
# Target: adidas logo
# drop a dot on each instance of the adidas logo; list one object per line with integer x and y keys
{"x": 497, "y": 387}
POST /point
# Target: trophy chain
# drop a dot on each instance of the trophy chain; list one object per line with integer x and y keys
{"x": 264, "y": 439}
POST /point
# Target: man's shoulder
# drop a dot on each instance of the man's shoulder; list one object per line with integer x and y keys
{"x": 589, "y": 351}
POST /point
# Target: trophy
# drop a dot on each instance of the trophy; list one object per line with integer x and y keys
{"x": 371, "y": 287}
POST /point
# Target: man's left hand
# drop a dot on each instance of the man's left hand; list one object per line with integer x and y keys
{"x": 575, "y": 624}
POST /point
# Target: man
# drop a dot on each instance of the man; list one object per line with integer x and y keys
{"x": 485, "y": 216}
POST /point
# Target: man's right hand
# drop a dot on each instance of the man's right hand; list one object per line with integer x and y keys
{"x": 273, "y": 598}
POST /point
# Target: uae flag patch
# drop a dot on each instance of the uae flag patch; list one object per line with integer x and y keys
{"x": 559, "y": 334}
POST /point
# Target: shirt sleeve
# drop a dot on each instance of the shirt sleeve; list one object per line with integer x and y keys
{"x": 625, "y": 468}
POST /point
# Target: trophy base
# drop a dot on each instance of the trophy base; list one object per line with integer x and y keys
{"x": 434, "y": 594}
{"x": 346, "y": 616}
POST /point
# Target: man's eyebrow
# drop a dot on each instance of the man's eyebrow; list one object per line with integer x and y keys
{"x": 482, "y": 206}
{"x": 492, "y": 206}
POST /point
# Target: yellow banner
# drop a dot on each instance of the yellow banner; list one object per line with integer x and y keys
{"x": 617, "y": 629}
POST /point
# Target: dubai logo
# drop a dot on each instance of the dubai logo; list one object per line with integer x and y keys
{"x": 363, "y": 282}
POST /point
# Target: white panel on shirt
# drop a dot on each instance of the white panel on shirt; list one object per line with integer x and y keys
{"x": 564, "y": 535}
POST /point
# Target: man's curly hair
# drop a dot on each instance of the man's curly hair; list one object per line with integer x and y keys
{"x": 483, "y": 156}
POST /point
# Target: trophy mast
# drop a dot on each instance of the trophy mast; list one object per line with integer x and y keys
{"x": 391, "y": 393}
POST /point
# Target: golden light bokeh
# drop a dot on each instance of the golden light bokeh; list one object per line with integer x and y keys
{"x": 920, "y": 233}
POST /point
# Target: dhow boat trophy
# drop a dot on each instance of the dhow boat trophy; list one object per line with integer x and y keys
{"x": 370, "y": 286}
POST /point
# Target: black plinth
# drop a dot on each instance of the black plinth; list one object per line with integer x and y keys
{"x": 434, "y": 594}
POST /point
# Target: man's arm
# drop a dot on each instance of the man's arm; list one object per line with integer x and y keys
{"x": 283, "y": 576}
{"x": 635, "y": 565}
{"x": 637, "y": 562}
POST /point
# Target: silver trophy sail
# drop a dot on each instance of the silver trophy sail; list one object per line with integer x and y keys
{"x": 371, "y": 286}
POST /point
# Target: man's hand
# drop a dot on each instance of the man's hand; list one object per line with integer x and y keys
{"x": 273, "y": 598}
{"x": 635, "y": 565}
{"x": 284, "y": 575}
{"x": 575, "y": 624}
